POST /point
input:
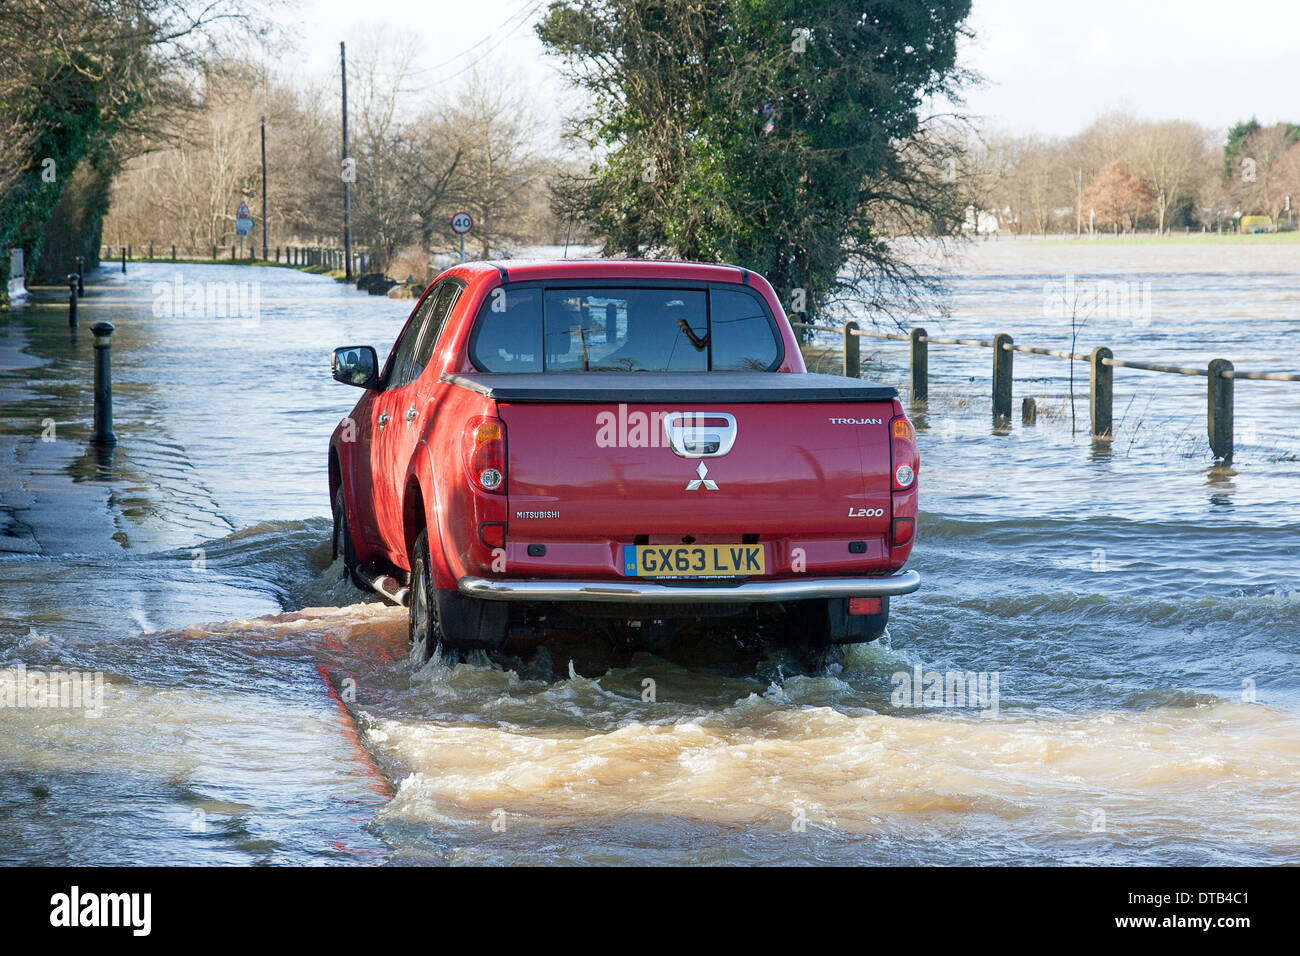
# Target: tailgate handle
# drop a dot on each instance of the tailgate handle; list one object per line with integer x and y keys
{"x": 700, "y": 434}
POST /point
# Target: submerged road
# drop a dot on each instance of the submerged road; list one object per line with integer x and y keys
{"x": 1100, "y": 668}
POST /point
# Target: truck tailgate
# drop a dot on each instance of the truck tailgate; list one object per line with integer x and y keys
{"x": 589, "y": 455}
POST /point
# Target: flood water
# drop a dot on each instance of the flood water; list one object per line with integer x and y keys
{"x": 1128, "y": 614}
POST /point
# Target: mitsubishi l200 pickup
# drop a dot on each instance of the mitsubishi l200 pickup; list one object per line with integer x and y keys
{"x": 618, "y": 443}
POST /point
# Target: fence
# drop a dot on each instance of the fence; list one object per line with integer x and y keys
{"x": 1220, "y": 376}
{"x": 320, "y": 256}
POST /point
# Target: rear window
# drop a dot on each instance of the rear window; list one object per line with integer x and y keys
{"x": 550, "y": 329}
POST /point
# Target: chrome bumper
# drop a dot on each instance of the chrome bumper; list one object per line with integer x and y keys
{"x": 630, "y": 589}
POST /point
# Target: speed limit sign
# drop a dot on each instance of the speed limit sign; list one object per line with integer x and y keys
{"x": 462, "y": 223}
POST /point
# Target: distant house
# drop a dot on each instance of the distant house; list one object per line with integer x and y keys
{"x": 979, "y": 222}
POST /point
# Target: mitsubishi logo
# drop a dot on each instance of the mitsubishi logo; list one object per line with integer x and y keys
{"x": 707, "y": 483}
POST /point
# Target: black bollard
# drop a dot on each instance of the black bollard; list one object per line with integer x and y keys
{"x": 124, "y": 260}
{"x": 103, "y": 434}
{"x": 81, "y": 268}
{"x": 72, "y": 300}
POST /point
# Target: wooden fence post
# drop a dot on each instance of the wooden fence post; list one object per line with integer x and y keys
{"x": 920, "y": 366}
{"x": 852, "y": 351}
{"x": 1002, "y": 375}
{"x": 1220, "y": 410}
{"x": 1101, "y": 392}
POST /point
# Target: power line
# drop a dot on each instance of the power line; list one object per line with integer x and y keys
{"x": 528, "y": 8}
{"x": 500, "y": 38}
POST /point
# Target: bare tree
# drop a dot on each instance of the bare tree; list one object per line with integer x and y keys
{"x": 502, "y": 167}
{"x": 1167, "y": 155}
{"x": 188, "y": 186}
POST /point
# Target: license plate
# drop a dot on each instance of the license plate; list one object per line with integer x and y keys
{"x": 692, "y": 560}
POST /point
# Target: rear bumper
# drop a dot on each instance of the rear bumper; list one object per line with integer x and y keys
{"x": 791, "y": 589}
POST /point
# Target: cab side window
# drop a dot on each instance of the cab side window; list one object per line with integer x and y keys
{"x": 417, "y": 344}
{"x": 403, "y": 351}
{"x": 437, "y": 318}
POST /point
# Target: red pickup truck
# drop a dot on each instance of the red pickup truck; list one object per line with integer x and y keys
{"x": 617, "y": 444}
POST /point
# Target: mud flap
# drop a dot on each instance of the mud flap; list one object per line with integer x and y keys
{"x": 845, "y": 628}
{"x": 468, "y": 622}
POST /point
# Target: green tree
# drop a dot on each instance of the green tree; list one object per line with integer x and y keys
{"x": 775, "y": 134}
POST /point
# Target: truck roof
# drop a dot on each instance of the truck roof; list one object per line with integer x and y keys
{"x": 521, "y": 270}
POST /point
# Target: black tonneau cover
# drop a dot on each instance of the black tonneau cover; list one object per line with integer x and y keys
{"x": 671, "y": 387}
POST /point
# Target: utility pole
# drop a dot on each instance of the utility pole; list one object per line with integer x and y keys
{"x": 347, "y": 173}
{"x": 264, "y": 187}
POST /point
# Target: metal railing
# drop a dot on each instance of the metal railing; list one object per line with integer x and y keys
{"x": 1221, "y": 374}
{"x": 323, "y": 257}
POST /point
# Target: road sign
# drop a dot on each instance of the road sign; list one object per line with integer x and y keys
{"x": 462, "y": 223}
{"x": 243, "y": 221}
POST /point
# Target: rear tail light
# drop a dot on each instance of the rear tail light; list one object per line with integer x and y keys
{"x": 871, "y": 605}
{"x": 904, "y": 459}
{"x": 903, "y": 529}
{"x": 904, "y": 463}
{"x": 485, "y": 454}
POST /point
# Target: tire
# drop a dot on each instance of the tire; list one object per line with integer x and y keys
{"x": 421, "y": 607}
{"x": 445, "y": 617}
{"x": 342, "y": 542}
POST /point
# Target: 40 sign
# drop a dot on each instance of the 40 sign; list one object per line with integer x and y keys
{"x": 462, "y": 223}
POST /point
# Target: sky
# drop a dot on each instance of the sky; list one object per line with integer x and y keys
{"x": 1053, "y": 67}
{"x": 1049, "y": 66}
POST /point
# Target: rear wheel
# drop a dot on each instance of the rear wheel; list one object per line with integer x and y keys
{"x": 343, "y": 541}
{"x": 444, "y": 616}
{"x": 420, "y": 616}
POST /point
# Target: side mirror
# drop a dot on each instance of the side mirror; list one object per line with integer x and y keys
{"x": 356, "y": 365}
